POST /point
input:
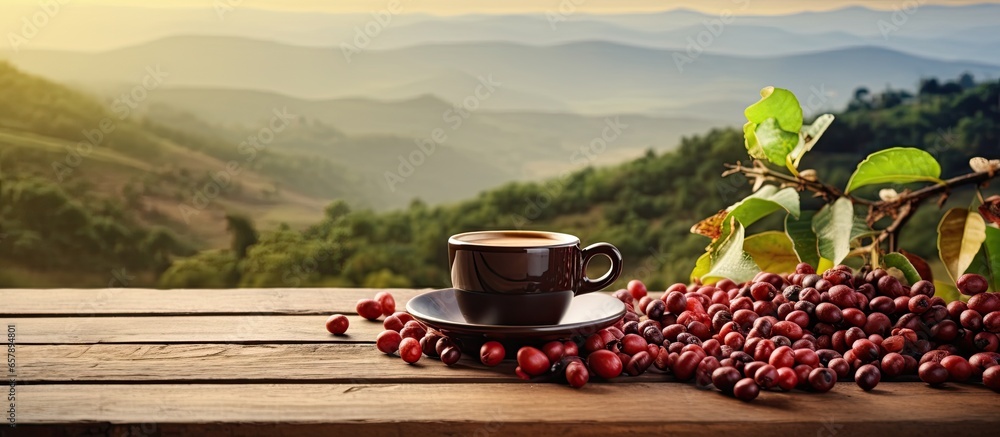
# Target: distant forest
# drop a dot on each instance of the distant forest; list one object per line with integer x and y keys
{"x": 645, "y": 207}
{"x": 97, "y": 226}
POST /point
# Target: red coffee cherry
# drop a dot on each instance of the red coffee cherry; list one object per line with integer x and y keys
{"x": 491, "y": 353}
{"x": 637, "y": 289}
{"x": 337, "y": 324}
{"x": 867, "y": 377}
{"x": 393, "y": 323}
{"x": 991, "y": 378}
{"x": 822, "y": 380}
{"x": 450, "y": 355}
{"x": 787, "y": 379}
{"x": 746, "y": 389}
{"x": 959, "y": 369}
{"x": 766, "y": 376}
{"x": 577, "y": 374}
{"x": 369, "y": 309}
{"x": 554, "y": 350}
{"x": 725, "y": 378}
{"x": 413, "y": 329}
{"x": 605, "y": 364}
{"x": 893, "y": 365}
{"x": 932, "y": 373}
{"x": 388, "y": 342}
{"x": 532, "y": 361}
{"x": 763, "y": 291}
{"x": 971, "y": 284}
{"x": 410, "y": 350}
{"x": 387, "y": 302}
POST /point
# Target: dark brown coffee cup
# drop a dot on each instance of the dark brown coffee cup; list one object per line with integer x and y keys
{"x": 523, "y": 277}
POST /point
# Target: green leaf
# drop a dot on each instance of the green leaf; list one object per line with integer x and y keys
{"x": 730, "y": 261}
{"x": 987, "y": 261}
{"x": 900, "y": 262}
{"x": 920, "y": 264}
{"x": 898, "y": 165}
{"x": 750, "y": 141}
{"x": 765, "y": 201}
{"x": 800, "y": 231}
{"x": 824, "y": 265}
{"x": 779, "y": 104}
{"x": 775, "y": 142}
{"x": 701, "y": 267}
{"x": 752, "y": 208}
{"x": 832, "y": 225}
{"x": 946, "y": 291}
{"x": 861, "y": 228}
{"x": 810, "y": 135}
{"x": 772, "y": 252}
{"x": 960, "y": 235}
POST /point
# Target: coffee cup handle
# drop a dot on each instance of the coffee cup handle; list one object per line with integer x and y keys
{"x": 608, "y": 250}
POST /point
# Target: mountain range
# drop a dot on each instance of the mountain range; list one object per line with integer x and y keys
{"x": 102, "y": 27}
{"x": 593, "y": 77}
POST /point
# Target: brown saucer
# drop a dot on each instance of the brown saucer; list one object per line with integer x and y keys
{"x": 586, "y": 315}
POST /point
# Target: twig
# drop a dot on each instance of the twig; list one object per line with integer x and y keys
{"x": 900, "y": 208}
{"x": 759, "y": 170}
{"x": 828, "y": 192}
{"x": 891, "y": 232}
{"x": 966, "y": 179}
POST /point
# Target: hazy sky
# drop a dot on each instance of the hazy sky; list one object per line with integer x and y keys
{"x": 450, "y": 7}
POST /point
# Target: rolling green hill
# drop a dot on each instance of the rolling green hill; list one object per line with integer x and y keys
{"x": 158, "y": 184}
{"x": 86, "y": 189}
{"x": 645, "y": 207}
{"x": 520, "y": 144}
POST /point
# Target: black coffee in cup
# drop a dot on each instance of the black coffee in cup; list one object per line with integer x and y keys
{"x": 523, "y": 277}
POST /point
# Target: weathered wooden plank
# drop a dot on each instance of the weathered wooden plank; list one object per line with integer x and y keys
{"x": 330, "y": 363}
{"x": 505, "y": 409}
{"x": 188, "y": 329}
{"x": 133, "y": 301}
{"x": 353, "y": 363}
{"x": 248, "y": 329}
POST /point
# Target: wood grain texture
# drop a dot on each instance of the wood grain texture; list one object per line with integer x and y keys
{"x": 134, "y": 301}
{"x": 350, "y": 363}
{"x": 508, "y": 409}
{"x": 248, "y": 329}
{"x": 228, "y": 363}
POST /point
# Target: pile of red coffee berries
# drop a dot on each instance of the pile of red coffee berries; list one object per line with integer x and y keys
{"x": 776, "y": 332}
{"x": 805, "y": 331}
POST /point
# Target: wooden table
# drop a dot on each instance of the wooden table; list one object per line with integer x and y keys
{"x": 259, "y": 362}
